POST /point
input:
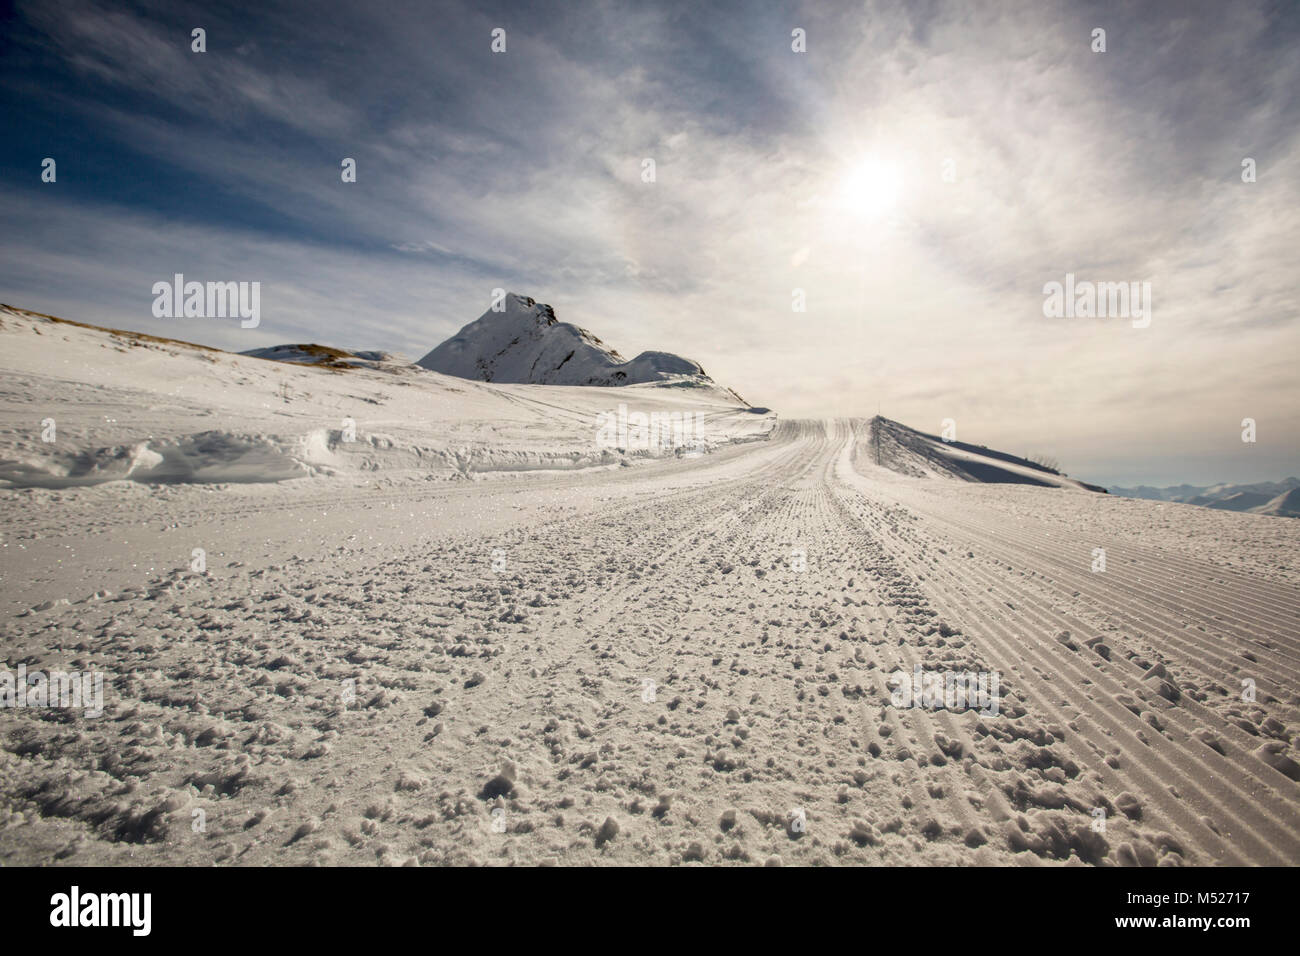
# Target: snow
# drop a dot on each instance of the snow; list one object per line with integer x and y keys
{"x": 474, "y": 636}
{"x": 1280, "y": 498}
{"x": 526, "y": 343}
{"x": 1287, "y": 504}
{"x": 912, "y": 452}
{"x": 129, "y": 407}
{"x": 307, "y": 354}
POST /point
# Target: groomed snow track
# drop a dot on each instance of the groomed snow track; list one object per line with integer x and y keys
{"x": 698, "y": 650}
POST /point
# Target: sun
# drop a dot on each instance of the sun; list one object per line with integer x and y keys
{"x": 870, "y": 188}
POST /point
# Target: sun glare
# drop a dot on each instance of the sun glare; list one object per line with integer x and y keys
{"x": 870, "y": 188}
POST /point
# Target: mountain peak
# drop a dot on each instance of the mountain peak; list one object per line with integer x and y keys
{"x": 523, "y": 342}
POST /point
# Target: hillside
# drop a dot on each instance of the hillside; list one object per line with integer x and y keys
{"x": 907, "y": 451}
{"x": 89, "y": 405}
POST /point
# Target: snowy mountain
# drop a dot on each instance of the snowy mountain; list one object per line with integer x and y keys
{"x": 907, "y": 451}
{"x": 1262, "y": 497}
{"x": 1286, "y": 504}
{"x": 526, "y": 344}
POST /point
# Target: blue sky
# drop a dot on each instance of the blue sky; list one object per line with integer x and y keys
{"x": 775, "y": 171}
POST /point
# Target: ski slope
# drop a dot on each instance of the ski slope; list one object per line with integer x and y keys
{"x": 683, "y": 662}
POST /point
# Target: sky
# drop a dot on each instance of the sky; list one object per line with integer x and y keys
{"x": 915, "y": 177}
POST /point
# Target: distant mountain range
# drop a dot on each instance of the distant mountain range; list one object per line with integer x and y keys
{"x": 1263, "y": 497}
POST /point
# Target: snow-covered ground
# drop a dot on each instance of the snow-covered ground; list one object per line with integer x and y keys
{"x": 126, "y": 406}
{"x": 391, "y": 659}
